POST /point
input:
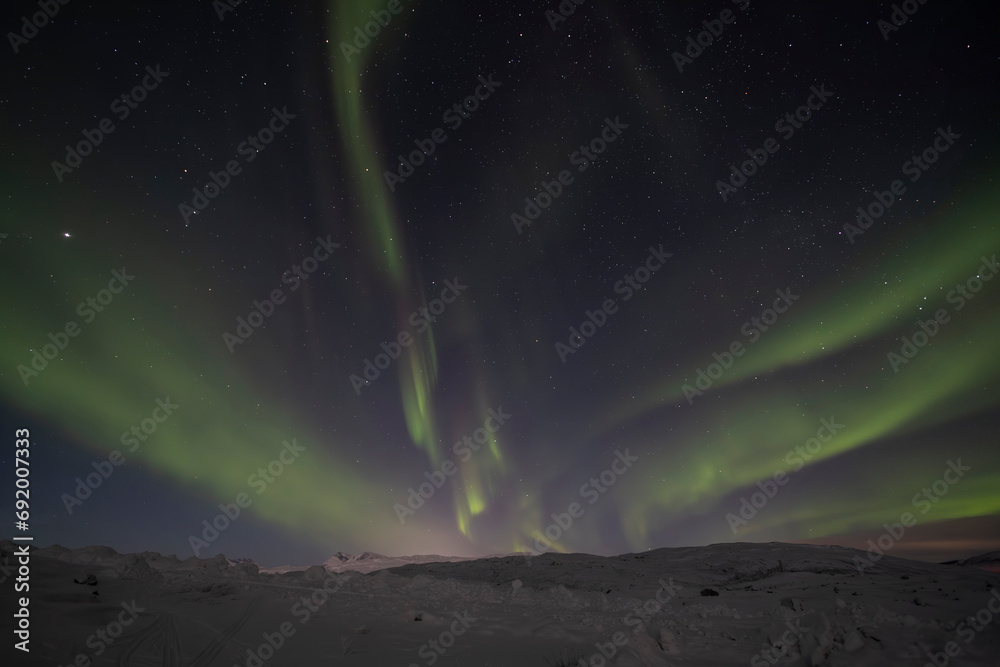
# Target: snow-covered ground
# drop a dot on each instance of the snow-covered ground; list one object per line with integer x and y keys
{"x": 730, "y": 604}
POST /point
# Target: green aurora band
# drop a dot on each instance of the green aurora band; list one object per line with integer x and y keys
{"x": 150, "y": 345}
{"x": 418, "y": 376}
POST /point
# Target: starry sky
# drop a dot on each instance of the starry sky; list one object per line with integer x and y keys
{"x": 455, "y": 278}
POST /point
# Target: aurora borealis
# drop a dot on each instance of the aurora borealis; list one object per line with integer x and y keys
{"x": 383, "y": 325}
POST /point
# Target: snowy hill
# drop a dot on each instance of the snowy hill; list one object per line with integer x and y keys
{"x": 726, "y": 604}
{"x": 989, "y": 561}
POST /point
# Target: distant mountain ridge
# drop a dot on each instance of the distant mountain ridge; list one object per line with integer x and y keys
{"x": 988, "y": 561}
{"x": 369, "y": 561}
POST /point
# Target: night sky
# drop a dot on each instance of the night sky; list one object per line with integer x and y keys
{"x": 620, "y": 278}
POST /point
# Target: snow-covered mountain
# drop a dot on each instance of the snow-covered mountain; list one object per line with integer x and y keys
{"x": 988, "y": 561}
{"x": 370, "y": 562}
{"x": 340, "y": 557}
{"x": 367, "y": 561}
